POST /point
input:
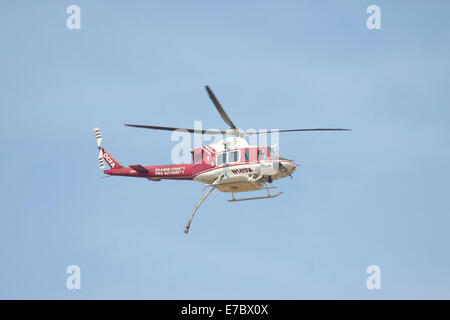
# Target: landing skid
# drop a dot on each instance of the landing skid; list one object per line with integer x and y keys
{"x": 256, "y": 198}
{"x": 269, "y": 196}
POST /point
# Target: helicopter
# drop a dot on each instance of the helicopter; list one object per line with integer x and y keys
{"x": 232, "y": 165}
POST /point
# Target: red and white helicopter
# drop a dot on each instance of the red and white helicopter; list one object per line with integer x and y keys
{"x": 232, "y": 165}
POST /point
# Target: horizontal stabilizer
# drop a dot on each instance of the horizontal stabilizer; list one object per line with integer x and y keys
{"x": 139, "y": 168}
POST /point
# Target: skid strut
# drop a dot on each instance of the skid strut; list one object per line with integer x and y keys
{"x": 186, "y": 229}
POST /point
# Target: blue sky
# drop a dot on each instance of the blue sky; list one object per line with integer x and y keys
{"x": 378, "y": 195}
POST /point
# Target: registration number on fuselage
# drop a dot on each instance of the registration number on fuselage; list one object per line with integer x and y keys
{"x": 241, "y": 170}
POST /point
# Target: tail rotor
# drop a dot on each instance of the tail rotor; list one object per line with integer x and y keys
{"x": 98, "y": 136}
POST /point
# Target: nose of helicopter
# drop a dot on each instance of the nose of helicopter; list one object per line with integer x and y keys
{"x": 290, "y": 166}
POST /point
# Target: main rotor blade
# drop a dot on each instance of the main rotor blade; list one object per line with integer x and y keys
{"x": 174, "y": 129}
{"x": 219, "y": 108}
{"x": 293, "y": 130}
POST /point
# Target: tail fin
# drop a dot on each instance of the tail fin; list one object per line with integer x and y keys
{"x": 104, "y": 155}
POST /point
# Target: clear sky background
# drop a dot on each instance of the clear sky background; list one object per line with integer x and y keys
{"x": 377, "y": 195}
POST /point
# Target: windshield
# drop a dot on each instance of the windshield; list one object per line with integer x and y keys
{"x": 274, "y": 154}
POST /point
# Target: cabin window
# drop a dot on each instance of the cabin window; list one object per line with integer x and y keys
{"x": 221, "y": 159}
{"x": 233, "y": 156}
{"x": 227, "y": 157}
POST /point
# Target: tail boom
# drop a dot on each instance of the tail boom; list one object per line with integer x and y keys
{"x": 155, "y": 173}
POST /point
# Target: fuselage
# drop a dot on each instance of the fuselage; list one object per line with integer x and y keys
{"x": 230, "y": 166}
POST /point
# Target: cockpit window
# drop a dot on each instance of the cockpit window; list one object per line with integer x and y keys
{"x": 274, "y": 154}
{"x": 262, "y": 154}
